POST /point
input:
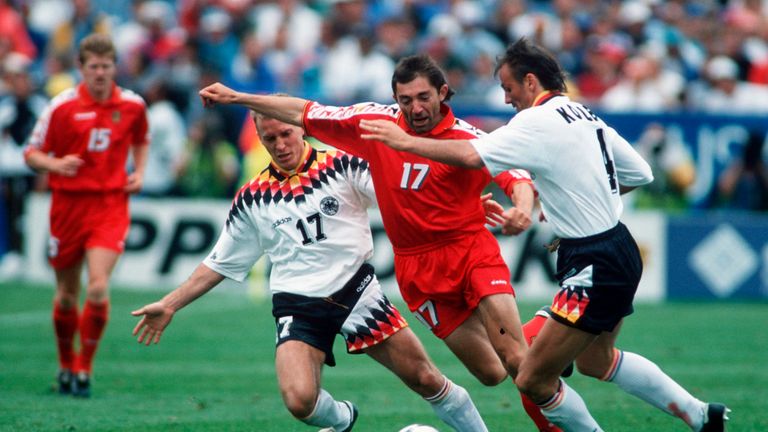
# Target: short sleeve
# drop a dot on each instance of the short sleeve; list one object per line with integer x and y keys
{"x": 511, "y": 146}
{"x": 236, "y": 251}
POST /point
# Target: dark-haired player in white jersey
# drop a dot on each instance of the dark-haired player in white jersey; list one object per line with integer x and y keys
{"x": 580, "y": 166}
{"x": 307, "y": 211}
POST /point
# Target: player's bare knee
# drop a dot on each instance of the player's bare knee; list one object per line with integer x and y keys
{"x": 300, "y": 405}
{"x": 97, "y": 290}
{"x": 424, "y": 378}
{"x": 528, "y": 385}
{"x": 492, "y": 376}
{"x": 65, "y": 299}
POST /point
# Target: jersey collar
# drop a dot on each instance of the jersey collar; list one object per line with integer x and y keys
{"x": 545, "y": 97}
{"x": 306, "y": 160}
{"x": 87, "y": 98}
{"x": 446, "y": 123}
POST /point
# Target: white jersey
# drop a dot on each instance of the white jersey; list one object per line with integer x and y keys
{"x": 577, "y": 163}
{"x": 312, "y": 224}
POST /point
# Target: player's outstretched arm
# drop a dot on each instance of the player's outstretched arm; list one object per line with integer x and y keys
{"x": 287, "y": 109}
{"x": 452, "y": 152}
{"x": 155, "y": 317}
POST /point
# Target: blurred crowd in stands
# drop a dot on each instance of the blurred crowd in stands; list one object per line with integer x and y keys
{"x": 622, "y": 57}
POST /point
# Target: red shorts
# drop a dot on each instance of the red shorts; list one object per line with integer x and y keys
{"x": 443, "y": 286}
{"x": 86, "y": 220}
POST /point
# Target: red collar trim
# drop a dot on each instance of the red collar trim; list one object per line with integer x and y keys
{"x": 545, "y": 97}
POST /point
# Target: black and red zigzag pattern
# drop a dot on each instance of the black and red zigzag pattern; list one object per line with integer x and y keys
{"x": 272, "y": 186}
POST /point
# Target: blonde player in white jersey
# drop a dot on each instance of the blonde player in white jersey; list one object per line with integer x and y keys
{"x": 580, "y": 166}
{"x": 307, "y": 212}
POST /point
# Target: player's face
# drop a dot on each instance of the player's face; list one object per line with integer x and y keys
{"x": 283, "y": 141}
{"x": 420, "y": 103}
{"x": 518, "y": 94}
{"x": 98, "y": 74}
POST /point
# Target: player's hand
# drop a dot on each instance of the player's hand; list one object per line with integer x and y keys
{"x": 155, "y": 318}
{"x": 493, "y": 210}
{"x": 515, "y": 221}
{"x": 68, "y": 165}
{"x": 134, "y": 184}
{"x": 217, "y": 93}
{"x": 385, "y": 131}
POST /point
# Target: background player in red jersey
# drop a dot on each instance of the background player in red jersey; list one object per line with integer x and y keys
{"x": 82, "y": 141}
{"x": 448, "y": 266}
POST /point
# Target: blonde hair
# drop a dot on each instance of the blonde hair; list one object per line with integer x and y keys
{"x": 98, "y": 44}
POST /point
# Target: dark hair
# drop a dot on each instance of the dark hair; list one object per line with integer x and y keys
{"x": 524, "y": 57}
{"x": 411, "y": 67}
{"x": 98, "y": 44}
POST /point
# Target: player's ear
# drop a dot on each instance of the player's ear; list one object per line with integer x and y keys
{"x": 531, "y": 81}
{"x": 442, "y": 93}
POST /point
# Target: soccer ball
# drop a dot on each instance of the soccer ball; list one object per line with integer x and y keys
{"x": 418, "y": 428}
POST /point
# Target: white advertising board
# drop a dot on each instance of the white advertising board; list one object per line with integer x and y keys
{"x": 169, "y": 238}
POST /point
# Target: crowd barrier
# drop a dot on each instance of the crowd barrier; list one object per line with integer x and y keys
{"x": 697, "y": 256}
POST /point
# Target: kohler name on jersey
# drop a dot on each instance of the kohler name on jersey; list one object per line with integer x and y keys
{"x": 577, "y": 112}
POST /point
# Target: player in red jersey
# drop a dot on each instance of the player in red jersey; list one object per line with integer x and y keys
{"x": 82, "y": 141}
{"x": 448, "y": 266}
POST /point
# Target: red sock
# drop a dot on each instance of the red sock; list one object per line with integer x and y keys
{"x": 65, "y": 326}
{"x": 534, "y": 412}
{"x": 92, "y": 324}
{"x": 530, "y": 330}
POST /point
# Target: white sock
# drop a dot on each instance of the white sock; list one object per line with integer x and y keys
{"x": 329, "y": 413}
{"x": 567, "y": 410}
{"x": 641, "y": 377}
{"x": 454, "y": 406}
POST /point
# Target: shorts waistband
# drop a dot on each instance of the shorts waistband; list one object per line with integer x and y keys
{"x": 343, "y": 300}
{"x": 356, "y": 283}
{"x": 595, "y": 237}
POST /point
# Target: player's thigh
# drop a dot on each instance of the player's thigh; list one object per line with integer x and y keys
{"x": 501, "y": 320}
{"x": 101, "y": 261}
{"x": 299, "y": 368}
{"x": 469, "y": 343}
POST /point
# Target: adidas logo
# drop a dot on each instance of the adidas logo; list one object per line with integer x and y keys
{"x": 364, "y": 283}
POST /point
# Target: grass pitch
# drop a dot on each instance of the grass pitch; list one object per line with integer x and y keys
{"x": 213, "y": 371}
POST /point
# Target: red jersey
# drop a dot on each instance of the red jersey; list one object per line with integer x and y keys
{"x": 100, "y": 133}
{"x": 424, "y": 203}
